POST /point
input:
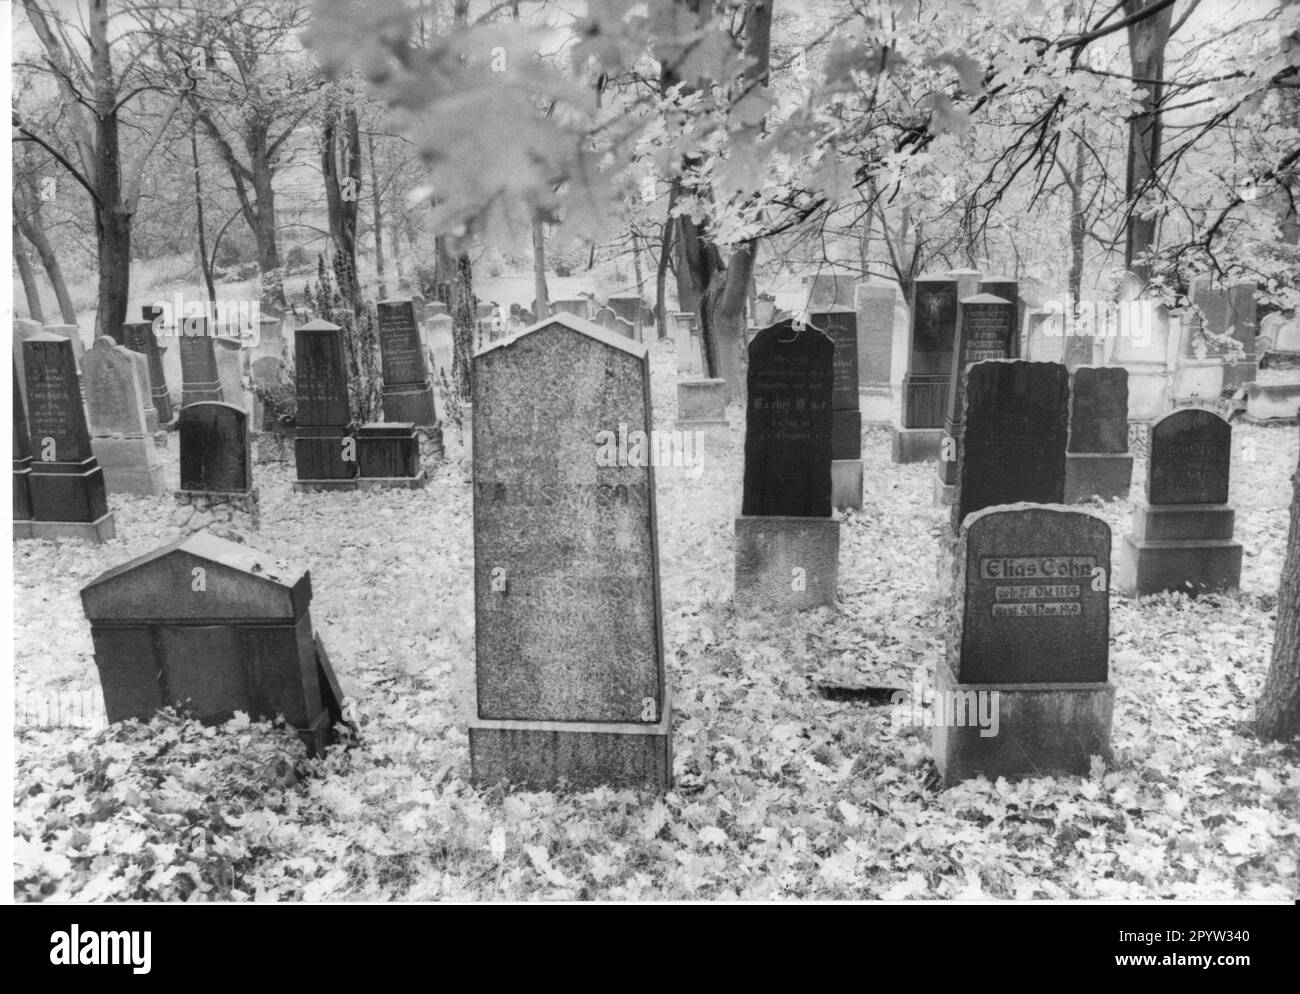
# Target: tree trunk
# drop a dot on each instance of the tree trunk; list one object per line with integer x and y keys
{"x": 28, "y": 276}
{"x": 1077, "y": 350}
{"x": 34, "y": 231}
{"x": 1278, "y": 716}
{"x": 541, "y": 294}
{"x": 1147, "y": 39}
{"x": 379, "y": 218}
{"x": 205, "y": 263}
{"x": 661, "y": 273}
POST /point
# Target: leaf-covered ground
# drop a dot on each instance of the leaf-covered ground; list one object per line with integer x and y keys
{"x": 779, "y": 792}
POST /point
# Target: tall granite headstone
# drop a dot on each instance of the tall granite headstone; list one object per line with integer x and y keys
{"x": 925, "y": 384}
{"x": 1013, "y": 437}
{"x": 570, "y": 671}
{"x": 1181, "y": 539}
{"x": 408, "y": 394}
{"x": 840, "y": 325}
{"x": 138, "y": 336}
{"x": 787, "y": 545}
{"x": 1024, "y": 688}
{"x": 116, "y": 382}
{"x": 1098, "y": 462}
{"x": 200, "y": 377}
{"x": 324, "y": 411}
{"x": 22, "y": 464}
{"x": 985, "y": 327}
{"x": 66, "y": 482}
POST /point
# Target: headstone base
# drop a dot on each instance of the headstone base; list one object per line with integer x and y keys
{"x": 786, "y": 563}
{"x": 1044, "y": 730}
{"x": 410, "y": 402}
{"x": 909, "y": 445}
{"x": 540, "y": 755}
{"x": 97, "y": 531}
{"x": 225, "y": 514}
{"x": 416, "y": 482}
{"x": 68, "y": 492}
{"x": 1097, "y": 474}
{"x": 323, "y": 486}
{"x": 1191, "y": 566}
{"x": 846, "y": 483}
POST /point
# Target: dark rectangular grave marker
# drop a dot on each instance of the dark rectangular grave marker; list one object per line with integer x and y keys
{"x": 215, "y": 451}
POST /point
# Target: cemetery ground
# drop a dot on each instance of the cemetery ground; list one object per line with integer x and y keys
{"x": 780, "y": 791}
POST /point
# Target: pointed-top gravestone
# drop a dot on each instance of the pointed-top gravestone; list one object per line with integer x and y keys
{"x": 788, "y": 423}
{"x": 570, "y": 673}
{"x": 66, "y": 483}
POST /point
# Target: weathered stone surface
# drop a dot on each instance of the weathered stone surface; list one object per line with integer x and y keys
{"x": 116, "y": 384}
{"x": 788, "y": 423}
{"x": 1033, "y": 606}
{"x": 702, "y": 400}
{"x": 875, "y": 311}
{"x": 786, "y": 563}
{"x": 1099, "y": 409}
{"x": 934, "y": 324}
{"x": 566, "y": 564}
{"x": 400, "y": 348}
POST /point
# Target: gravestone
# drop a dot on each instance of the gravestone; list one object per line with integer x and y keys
{"x": 322, "y": 442}
{"x": 116, "y": 385}
{"x": 22, "y": 465}
{"x": 702, "y": 410}
{"x": 138, "y": 336}
{"x": 23, "y": 330}
{"x": 66, "y": 482}
{"x": 1013, "y": 436}
{"x": 212, "y": 627}
{"x": 1272, "y": 402}
{"x": 840, "y": 325}
{"x": 1181, "y": 538}
{"x": 1243, "y": 325}
{"x": 985, "y": 327}
{"x": 408, "y": 394}
{"x": 629, "y": 306}
{"x": 1098, "y": 462}
{"x": 1027, "y": 647}
{"x": 230, "y": 371}
{"x": 1142, "y": 347}
{"x": 625, "y": 329}
{"x": 73, "y": 334}
{"x": 605, "y": 317}
{"x": 925, "y": 384}
{"x": 570, "y": 672}
{"x": 875, "y": 304}
{"x": 787, "y": 544}
{"x": 1008, "y": 289}
{"x": 967, "y": 280}
{"x": 690, "y": 359}
{"x": 217, "y": 489}
{"x": 388, "y": 457}
{"x": 200, "y": 377}
{"x": 577, "y": 306}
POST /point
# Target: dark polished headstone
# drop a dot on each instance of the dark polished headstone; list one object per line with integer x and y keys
{"x": 1190, "y": 455}
{"x": 788, "y": 423}
{"x": 215, "y": 450}
{"x": 322, "y": 442}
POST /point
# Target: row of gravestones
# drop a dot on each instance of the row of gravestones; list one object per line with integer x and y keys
{"x": 68, "y": 454}
{"x": 569, "y": 644}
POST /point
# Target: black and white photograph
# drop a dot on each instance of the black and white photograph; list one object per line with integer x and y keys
{"x": 712, "y": 452}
